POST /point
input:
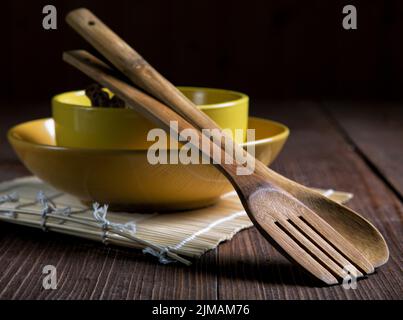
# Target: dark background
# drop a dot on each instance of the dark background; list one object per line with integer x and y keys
{"x": 273, "y": 49}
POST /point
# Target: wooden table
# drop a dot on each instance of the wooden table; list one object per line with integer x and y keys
{"x": 356, "y": 147}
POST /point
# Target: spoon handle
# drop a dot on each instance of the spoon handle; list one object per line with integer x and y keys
{"x": 150, "y": 108}
{"x": 141, "y": 73}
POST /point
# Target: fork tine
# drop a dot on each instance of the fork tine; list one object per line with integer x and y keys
{"x": 299, "y": 255}
{"x": 324, "y": 245}
{"x": 337, "y": 240}
{"x": 311, "y": 248}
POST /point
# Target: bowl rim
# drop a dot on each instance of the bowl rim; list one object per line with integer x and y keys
{"x": 285, "y": 131}
{"x": 242, "y": 98}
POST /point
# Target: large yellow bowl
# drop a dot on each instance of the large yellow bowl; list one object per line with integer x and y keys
{"x": 124, "y": 178}
{"x": 80, "y": 125}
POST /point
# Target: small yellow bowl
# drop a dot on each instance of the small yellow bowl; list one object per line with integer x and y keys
{"x": 124, "y": 178}
{"x": 79, "y": 125}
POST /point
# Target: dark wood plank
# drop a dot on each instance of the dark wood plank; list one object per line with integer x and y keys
{"x": 89, "y": 270}
{"x": 316, "y": 155}
{"x": 377, "y": 131}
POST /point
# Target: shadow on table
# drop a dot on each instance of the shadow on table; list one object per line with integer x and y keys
{"x": 277, "y": 270}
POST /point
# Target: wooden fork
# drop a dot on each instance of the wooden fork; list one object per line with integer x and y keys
{"x": 299, "y": 233}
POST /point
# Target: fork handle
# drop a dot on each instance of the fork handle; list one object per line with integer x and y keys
{"x": 141, "y": 73}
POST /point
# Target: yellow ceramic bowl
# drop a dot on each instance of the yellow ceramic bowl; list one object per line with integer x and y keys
{"x": 79, "y": 125}
{"x": 124, "y": 178}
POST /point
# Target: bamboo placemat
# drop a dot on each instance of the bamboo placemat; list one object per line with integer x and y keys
{"x": 168, "y": 236}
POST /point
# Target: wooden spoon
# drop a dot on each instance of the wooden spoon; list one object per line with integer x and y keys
{"x": 359, "y": 231}
{"x": 286, "y": 222}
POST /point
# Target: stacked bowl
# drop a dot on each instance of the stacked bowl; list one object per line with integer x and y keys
{"x": 100, "y": 154}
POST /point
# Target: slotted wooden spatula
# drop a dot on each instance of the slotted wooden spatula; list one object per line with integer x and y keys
{"x": 291, "y": 226}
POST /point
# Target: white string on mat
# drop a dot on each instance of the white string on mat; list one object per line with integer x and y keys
{"x": 100, "y": 213}
{"x": 48, "y": 206}
{"x": 161, "y": 255}
{"x": 11, "y": 197}
{"x": 44, "y": 202}
{"x": 208, "y": 228}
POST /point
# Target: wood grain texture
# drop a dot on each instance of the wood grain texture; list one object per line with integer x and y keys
{"x": 377, "y": 132}
{"x": 246, "y": 267}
